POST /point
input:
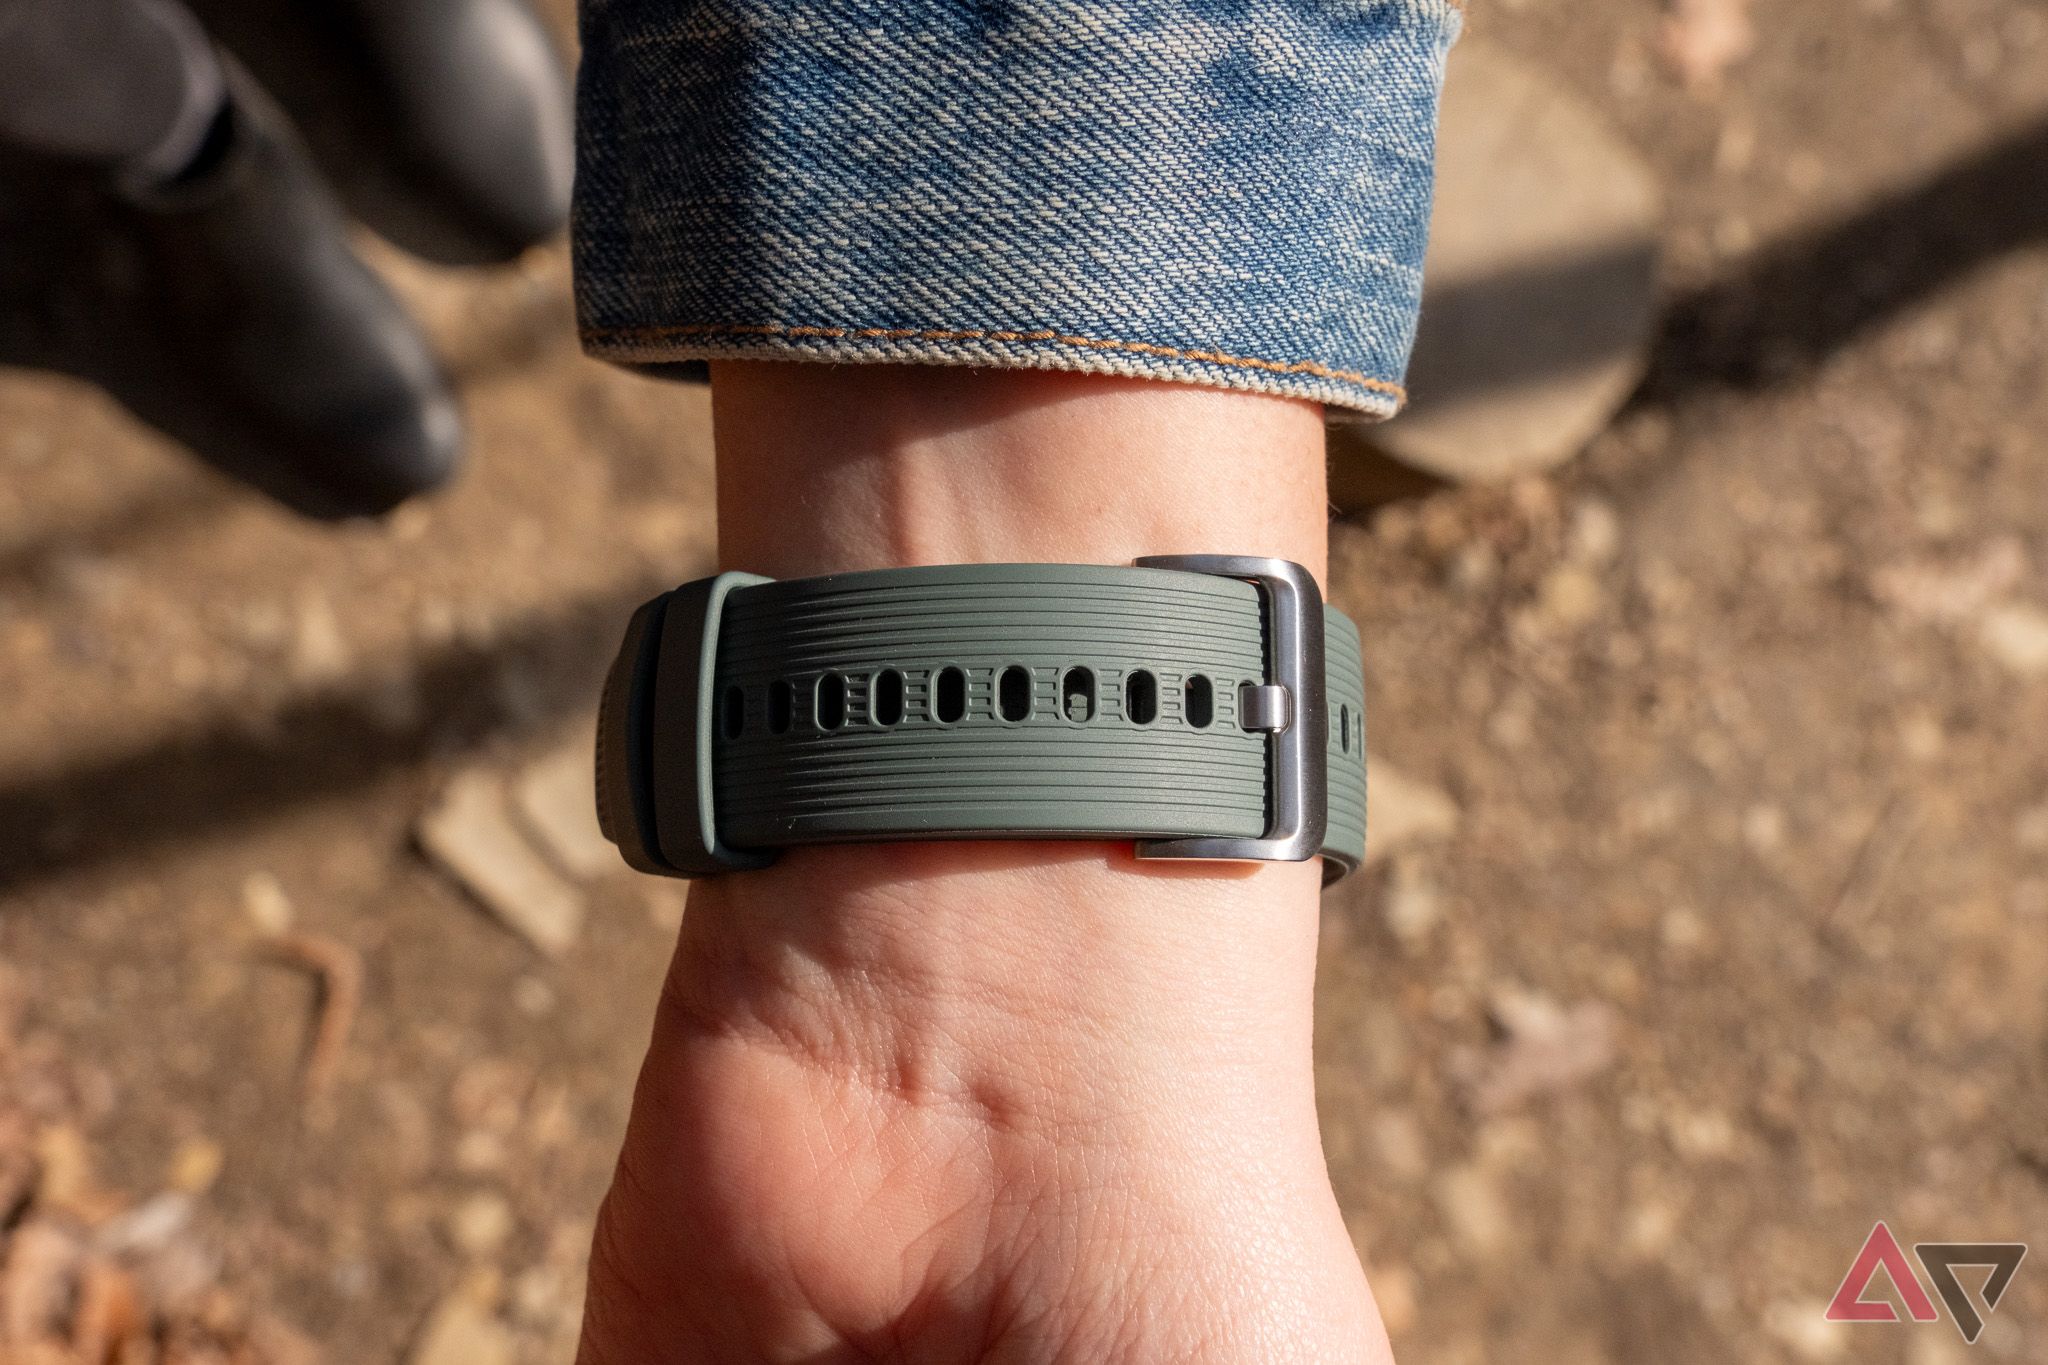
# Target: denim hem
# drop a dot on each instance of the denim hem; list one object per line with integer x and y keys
{"x": 1041, "y": 349}
{"x": 1223, "y": 192}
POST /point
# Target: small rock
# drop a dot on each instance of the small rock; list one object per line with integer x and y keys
{"x": 1567, "y": 598}
{"x": 1682, "y": 930}
{"x": 479, "y": 1225}
{"x": 492, "y": 1091}
{"x": 1921, "y": 736}
{"x": 182, "y": 1273}
{"x": 147, "y": 1228}
{"x": 1398, "y": 1142}
{"x": 1701, "y": 39}
{"x": 1471, "y": 1206}
{"x": 2017, "y": 636}
{"x": 1512, "y": 724}
{"x": 1509, "y": 1144}
{"x": 1413, "y": 904}
{"x": 1655, "y": 812}
{"x": 539, "y": 1296}
{"x": 1763, "y": 828}
{"x": 471, "y": 835}
{"x": 68, "y": 1183}
{"x": 1701, "y": 1134}
{"x": 1950, "y": 590}
{"x": 464, "y": 1329}
{"x": 479, "y": 1151}
{"x": 353, "y": 1277}
{"x": 195, "y": 1165}
{"x": 1649, "y": 1228}
{"x": 533, "y": 996}
{"x": 1475, "y": 566}
{"x": 1735, "y": 149}
{"x": 265, "y": 903}
{"x": 557, "y": 799}
{"x": 1595, "y": 533}
{"x": 319, "y": 651}
{"x": 1401, "y": 811}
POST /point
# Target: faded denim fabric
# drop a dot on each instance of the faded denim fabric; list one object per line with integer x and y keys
{"x": 1223, "y": 192}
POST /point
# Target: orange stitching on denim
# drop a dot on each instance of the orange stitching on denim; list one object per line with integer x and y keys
{"x": 776, "y": 329}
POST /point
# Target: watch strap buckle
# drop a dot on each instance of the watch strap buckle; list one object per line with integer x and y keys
{"x": 1289, "y": 705}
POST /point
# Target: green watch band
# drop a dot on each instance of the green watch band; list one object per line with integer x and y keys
{"x": 1204, "y": 706}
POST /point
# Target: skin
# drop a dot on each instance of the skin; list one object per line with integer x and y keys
{"x": 987, "y": 1101}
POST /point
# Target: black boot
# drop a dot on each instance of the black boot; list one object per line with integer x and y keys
{"x": 226, "y": 307}
{"x": 445, "y": 124}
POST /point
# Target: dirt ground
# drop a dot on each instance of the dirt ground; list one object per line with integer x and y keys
{"x": 1723, "y": 934}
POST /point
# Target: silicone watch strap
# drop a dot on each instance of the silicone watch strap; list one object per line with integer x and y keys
{"x": 1212, "y": 710}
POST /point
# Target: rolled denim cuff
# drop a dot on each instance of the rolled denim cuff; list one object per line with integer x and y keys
{"x": 1224, "y": 192}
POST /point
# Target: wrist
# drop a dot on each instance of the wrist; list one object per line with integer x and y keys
{"x": 829, "y": 468}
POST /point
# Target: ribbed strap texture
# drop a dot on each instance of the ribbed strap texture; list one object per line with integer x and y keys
{"x": 1344, "y": 672}
{"x": 1111, "y": 662}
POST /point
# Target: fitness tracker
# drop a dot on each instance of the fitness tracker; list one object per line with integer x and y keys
{"x": 1205, "y": 706}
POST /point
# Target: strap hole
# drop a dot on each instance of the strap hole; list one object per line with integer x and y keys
{"x": 831, "y": 701}
{"x": 886, "y": 704}
{"x": 1013, "y": 693}
{"x": 732, "y": 712}
{"x": 949, "y": 696}
{"x": 1077, "y": 687}
{"x": 1344, "y": 729}
{"x": 781, "y": 705}
{"x": 1141, "y": 698}
{"x": 1201, "y": 702}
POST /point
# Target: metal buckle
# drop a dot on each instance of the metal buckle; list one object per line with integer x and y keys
{"x": 1297, "y": 759}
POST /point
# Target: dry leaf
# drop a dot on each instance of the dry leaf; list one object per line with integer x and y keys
{"x": 1546, "y": 1048}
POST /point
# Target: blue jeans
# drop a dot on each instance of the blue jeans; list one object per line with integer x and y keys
{"x": 1223, "y": 192}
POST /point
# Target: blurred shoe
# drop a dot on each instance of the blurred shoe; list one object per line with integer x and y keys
{"x": 226, "y": 307}
{"x": 445, "y": 124}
